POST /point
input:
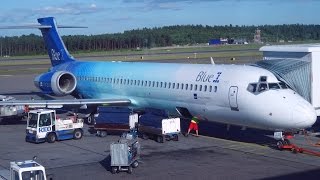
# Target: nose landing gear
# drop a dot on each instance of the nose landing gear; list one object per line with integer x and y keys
{"x": 283, "y": 140}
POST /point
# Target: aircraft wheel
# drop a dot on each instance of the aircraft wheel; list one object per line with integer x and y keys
{"x": 280, "y": 145}
{"x": 90, "y": 119}
{"x": 51, "y": 138}
{"x": 286, "y": 142}
{"x": 77, "y": 134}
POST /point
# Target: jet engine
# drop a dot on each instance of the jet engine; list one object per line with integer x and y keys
{"x": 59, "y": 83}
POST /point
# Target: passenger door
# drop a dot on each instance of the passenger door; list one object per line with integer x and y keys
{"x": 233, "y": 94}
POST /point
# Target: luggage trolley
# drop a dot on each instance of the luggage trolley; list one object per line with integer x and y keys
{"x": 124, "y": 154}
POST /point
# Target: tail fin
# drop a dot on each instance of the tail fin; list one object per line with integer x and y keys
{"x": 57, "y": 51}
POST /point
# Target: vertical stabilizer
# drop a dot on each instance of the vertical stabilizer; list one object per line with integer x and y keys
{"x": 57, "y": 51}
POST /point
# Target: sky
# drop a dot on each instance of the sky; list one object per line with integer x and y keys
{"x": 116, "y": 16}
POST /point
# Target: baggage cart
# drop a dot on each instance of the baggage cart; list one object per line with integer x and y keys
{"x": 124, "y": 154}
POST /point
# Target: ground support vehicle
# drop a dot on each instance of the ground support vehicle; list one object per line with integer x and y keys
{"x": 156, "y": 125}
{"x": 43, "y": 125}
{"x": 21, "y": 170}
{"x": 114, "y": 119}
{"x": 125, "y": 154}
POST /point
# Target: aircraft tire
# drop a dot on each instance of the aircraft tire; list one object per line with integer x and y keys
{"x": 90, "y": 119}
{"x": 280, "y": 145}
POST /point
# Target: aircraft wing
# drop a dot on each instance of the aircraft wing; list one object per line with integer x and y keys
{"x": 61, "y": 102}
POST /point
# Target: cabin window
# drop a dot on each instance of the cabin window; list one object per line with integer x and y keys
{"x": 169, "y": 84}
{"x": 153, "y": 83}
{"x": 215, "y": 88}
{"x": 177, "y": 85}
{"x": 196, "y": 87}
{"x": 145, "y": 83}
{"x": 200, "y": 88}
{"x": 205, "y": 88}
{"x": 210, "y": 89}
{"x": 165, "y": 84}
{"x": 191, "y": 86}
{"x": 173, "y": 85}
{"x": 182, "y": 86}
{"x": 138, "y": 82}
{"x": 186, "y": 86}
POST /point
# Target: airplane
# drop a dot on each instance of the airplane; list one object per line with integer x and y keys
{"x": 241, "y": 95}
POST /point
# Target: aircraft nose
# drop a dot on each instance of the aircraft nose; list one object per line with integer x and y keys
{"x": 304, "y": 115}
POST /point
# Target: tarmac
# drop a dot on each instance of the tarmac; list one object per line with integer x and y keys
{"x": 216, "y": 154}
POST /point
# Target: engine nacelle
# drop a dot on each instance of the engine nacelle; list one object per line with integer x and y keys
{"x": 58, "y": 83}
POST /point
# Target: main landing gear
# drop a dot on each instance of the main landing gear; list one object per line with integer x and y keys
{"x": 283, "y": 140}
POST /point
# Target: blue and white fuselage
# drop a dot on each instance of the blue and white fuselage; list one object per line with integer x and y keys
{"x": 231, "y": 94}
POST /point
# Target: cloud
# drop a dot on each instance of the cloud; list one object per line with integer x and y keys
{"x": 22, "y": 15}
{"x": 69, "y": 8}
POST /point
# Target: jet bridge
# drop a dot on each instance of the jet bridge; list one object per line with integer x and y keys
{"x": 295, "y": 73}
{"x": 297, "y": 65}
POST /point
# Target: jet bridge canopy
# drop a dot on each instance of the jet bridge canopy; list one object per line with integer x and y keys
{"x": 298, "y": 65}
{"x": 294, "y": 72}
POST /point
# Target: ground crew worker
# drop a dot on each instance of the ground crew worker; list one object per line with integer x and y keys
{"x": 193, "y": 125}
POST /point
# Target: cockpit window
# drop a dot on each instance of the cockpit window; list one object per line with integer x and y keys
{"x": 252, "y": 87}
{"x": 283, "y": 85}
{"x": 263, "y": 79}
{"x": 274, "y": 86}
{"x": 262, "y": 87}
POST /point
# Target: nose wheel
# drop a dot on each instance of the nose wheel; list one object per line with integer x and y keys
{"x": 283, "y": 140}
{"x": 283, "y": 143}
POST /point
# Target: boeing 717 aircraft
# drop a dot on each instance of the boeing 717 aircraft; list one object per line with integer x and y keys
{"x": 240, "y": 95}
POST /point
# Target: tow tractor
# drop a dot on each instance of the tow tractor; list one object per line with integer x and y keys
{"x": 43, "y": 125}
{"x": 20, "y": 170}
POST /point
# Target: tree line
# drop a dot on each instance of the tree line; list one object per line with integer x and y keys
{"x": 159, "y": 37}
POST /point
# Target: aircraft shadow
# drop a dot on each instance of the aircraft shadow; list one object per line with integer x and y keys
{"x": 30, "y": 94}
{"x": 235, "y": 133}
{"x": 12, "y": 121}
{"x": 311, "y": 174}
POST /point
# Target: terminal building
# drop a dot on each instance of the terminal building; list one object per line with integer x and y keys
{"x": 297, "y": 65}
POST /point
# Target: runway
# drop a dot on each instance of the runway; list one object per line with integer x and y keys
{"x": 218, "y": 154}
